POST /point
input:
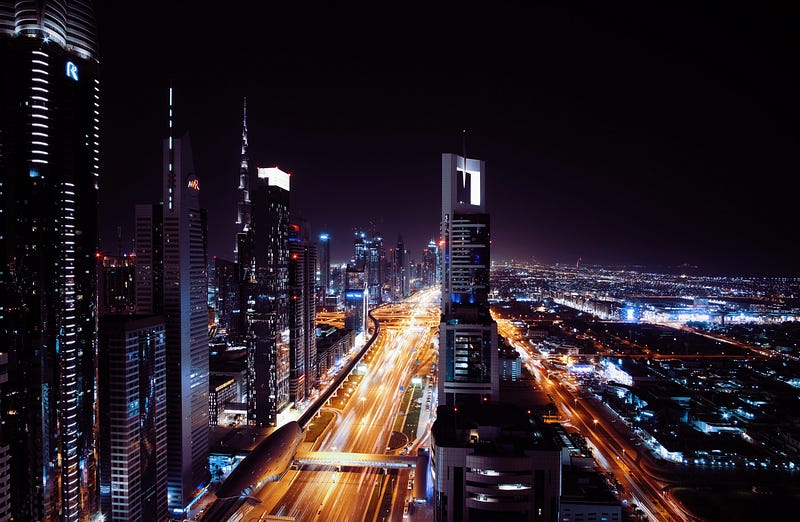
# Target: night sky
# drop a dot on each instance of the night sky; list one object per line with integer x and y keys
{"x": 625, "y": 135}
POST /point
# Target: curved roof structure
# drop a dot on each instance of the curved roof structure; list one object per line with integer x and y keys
{"x": 70, "y": 24}
{"x": 267, "y": 462}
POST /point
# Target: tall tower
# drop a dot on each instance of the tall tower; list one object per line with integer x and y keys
{"x": 302, "y": 310}
{"x": 171, "y": 242}
{"x": 133, "y": 417}
{"x": 265, "y": 295}
{"x": 234, "y": 307}
{"x": 324, "y": 267}
{"x": 243, "y": 206}
{"x": 468, "y": 353}
{"x": 49, "y": 173}
{"x": 401, "y": 276}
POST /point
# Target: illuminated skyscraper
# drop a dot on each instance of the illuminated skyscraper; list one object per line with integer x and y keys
{"x": 356, "y": 299}
{"x": 265, "y": 294}
{"x": 49, "y": 172}
{"x": 375, "y": 268}
{"x": 133, "y": 418}
{"x": 302, "y": 311}
{"x": 401, "y": 272}
{"x": 173, "y": 280}
{"x": 324, "y": 267}
{"x": 430, "y": 264}
{"x": 468, "y": 352}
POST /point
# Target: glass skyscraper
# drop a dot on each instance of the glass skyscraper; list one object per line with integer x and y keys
{"x": 49, "y": 172}
{"x": 468, "y": 354}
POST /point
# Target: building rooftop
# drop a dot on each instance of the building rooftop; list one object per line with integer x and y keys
{"x": 492, "y": 428}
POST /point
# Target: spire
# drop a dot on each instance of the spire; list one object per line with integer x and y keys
{"x": 171, "y": 160}
{"x": 244, "y": 132}
{"x": 243, "y": 207}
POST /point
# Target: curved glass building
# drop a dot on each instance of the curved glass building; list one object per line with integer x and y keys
{"x": 49, "y": 169}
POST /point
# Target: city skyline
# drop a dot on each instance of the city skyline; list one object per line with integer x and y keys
{"x": 628, "y": 135}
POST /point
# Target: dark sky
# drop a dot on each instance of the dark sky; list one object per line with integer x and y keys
{"x": 625, "y": 135}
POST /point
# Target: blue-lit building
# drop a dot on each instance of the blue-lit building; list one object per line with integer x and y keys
{"x": 324, "y": 285}
{"x": 356, "y": 300}
{"x": 132, "y": 396}
{"x": 172, "y": 280}
{"x": 49, "y": 175}
{"x": 468, "y": 344}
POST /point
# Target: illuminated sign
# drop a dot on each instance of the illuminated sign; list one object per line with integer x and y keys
{"x": 72, "y": 71}
{"x": 194, "y": 183}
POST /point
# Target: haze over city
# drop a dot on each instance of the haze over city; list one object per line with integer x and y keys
{"x": 625, "y": 134}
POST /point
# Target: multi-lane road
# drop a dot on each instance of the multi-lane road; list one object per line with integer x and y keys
{"x": 614, "y": 445}
{"x": 404, "y": 348}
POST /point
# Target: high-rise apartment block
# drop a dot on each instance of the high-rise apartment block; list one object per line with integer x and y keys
{"x": 468, "y": 349}
{"x": 49, "y": 173}
{"x": 132, "y": 394}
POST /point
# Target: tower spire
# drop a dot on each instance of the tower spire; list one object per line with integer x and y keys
{"x": 171, "y": 152}
{"x": 243, "y": 207}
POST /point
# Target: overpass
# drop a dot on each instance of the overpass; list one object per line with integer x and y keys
{"x": 356, "y": 460}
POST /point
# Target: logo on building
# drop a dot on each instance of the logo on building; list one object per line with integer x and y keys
{"x": 72, "y": 71}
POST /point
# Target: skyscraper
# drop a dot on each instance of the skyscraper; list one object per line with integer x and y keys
{"x": 49, "y": 172}
{"x": 430, "y": 255}
{"x": 302, "y": 310}
{"x": 468, "y": 353}
{"x": 171, "y": 244}
{"x": 244, "y": 207}
{"x": 265, "y": 295}
{"x": 401, "y": 277}
{"x": 133, "y": 417}
{"x": 375, "y": 261}
{"x": 324, "y": 267}
{"x": 356, "y": 299}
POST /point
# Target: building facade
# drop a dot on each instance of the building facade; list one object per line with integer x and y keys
{"x": 324, "y": 282}
{"x": 356, "y": 300}
{"x": 265, "y": 298}
{"x": 172, "y": 280}
{"x": 302, "y": 311}
{"x": 492, "y": 461}
{"x": 49, "y": 167}
{"x": 133, "y": 416}
{"x": 468, "y": 344}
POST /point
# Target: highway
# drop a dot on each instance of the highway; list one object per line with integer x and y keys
{"x": 614, "y": 445}
{"x": 404, "y": 348}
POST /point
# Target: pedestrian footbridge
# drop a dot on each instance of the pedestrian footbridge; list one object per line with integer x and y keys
{"x": 360, "y": 460}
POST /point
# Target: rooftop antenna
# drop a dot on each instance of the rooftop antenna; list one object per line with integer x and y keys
{"x": 171, "y": 159}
